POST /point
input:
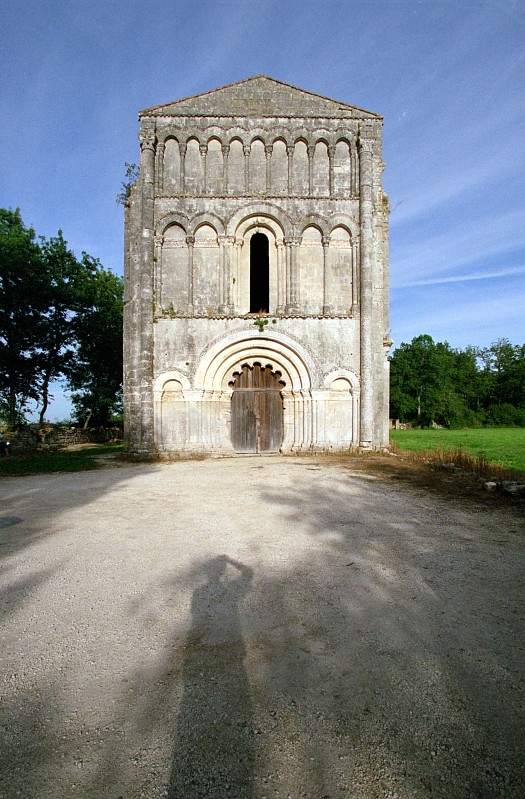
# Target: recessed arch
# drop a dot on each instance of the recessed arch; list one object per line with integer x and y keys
{"x": 314, "y": 220}
{"x": 342, "y": 374}
{"x": 265, "y": 211}
{"x": 218, "y": 363}
{"x": 172, "y": 218}
{"x": 207, "y": 218}
{"x": 165, "y": 377}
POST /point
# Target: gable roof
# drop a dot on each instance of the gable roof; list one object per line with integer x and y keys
{"x": 259, "y": 95}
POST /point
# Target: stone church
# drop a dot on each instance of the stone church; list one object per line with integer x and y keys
{"x": 256, "y": 275}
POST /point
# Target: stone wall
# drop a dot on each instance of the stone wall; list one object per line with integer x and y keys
{"x": 36, "y": 437}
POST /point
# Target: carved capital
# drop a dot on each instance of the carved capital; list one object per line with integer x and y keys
{"x": 225, "y": 149}
{"x": 311, "y": 150}
{"x": 246, "y": 149}
{"x": 331, "y": 151}
{"x": 325, "y": 241}
{"x": 147, "y": 139}
{"x": 158, "y": 240}
{"x": 183, "y": 146}
{"x": 268, "y": 149}
{"x": 203, "y": 149}
{"x": 366, "y": 146}
{"x": 292, "y": 241}
{"x": 190, "y": 241}
{"x": 289, "y": 149}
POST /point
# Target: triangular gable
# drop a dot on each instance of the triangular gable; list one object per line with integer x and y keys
{"x": 259, "y": 96}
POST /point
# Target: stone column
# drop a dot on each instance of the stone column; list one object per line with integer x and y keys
{"x": 203, "y": 149}
{"x": 145, "y": 442}
{"x": 331, "y": 158}
{"x": 289, "y": 153}
{"x": 355, "y": 297}
{"x": 229, "y": 253}
{"x": 157, "y": 274}
{"x": 246, "y": 150}
{"x": 281, "y": 277}
{"x": 353, "y": 165}
{"x": 225, "y": 244}
{"x": 292, "y": 305}
{"x": 237, "y": 244}
{"x": 311, "y": 152}
{"x": 366, "y": 316}
{"x": 225, "y": 158}
{"x": 327, "y": 308}
{"x": 183, "y": 146}
{"x": 190, "y": 241}
{"x": 268, "y": 149}
{"x": 159, "y": 173}
{"x": 222, "y": 270}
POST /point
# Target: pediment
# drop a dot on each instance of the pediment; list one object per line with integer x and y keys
{"x": 259, "y": 96}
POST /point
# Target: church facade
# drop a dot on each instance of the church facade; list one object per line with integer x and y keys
{"x": 256, "y": 275}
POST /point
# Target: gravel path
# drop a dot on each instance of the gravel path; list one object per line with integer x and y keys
{"x": 257, "y": 627}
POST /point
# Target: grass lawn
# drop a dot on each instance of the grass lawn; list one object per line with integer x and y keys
{"x": 502, "y": 445}
{"x": 58, "y": 461}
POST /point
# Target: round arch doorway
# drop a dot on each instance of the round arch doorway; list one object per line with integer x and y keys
{"x": 256, "y": 409}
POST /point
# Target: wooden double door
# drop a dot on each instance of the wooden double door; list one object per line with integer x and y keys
{"x": 257, "y": 409}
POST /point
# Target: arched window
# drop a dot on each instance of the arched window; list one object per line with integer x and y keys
{"x": 259, "y": 274}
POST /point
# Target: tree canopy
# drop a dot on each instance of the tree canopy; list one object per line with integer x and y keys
{"x": 60, "y": 319}
{"x": 430, "y": 382}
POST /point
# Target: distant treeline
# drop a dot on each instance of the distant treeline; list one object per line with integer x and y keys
{"x": 60, "y": 320}
{"x": 430, "y": 382}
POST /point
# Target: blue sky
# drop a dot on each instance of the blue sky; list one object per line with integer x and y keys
{"x": 449, "y": 78}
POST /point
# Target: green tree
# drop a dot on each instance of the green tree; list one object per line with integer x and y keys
{"x": 65, "y": 277}
{"x": 95, "y": 371}
{"x": 22, "y": 313}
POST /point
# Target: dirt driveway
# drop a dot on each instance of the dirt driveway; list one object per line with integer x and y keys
{"x": 257, "y": 627}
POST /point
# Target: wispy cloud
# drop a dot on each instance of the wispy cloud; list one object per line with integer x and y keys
{"x": 491, "y": 274}
{"x": 468, "y": 241}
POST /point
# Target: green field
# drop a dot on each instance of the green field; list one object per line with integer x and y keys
{"x": 502, "y": 445}
{"x": 59, "y": 461}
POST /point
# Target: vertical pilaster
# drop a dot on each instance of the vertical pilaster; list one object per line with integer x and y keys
{"x": 159, "y": 171}
{"x": 225, "y": 165}
{"x": 246, "y": 150}
{"x": 281, "y": 277}
{"x": 183, "y": 146}
{"x": 353, "y": 167}
{"x": 292, "y": 305}
{"x": 366, "y": 316}
{"x": 355, "y": 261}
{"x": 327, "y": 308}
{"x": 311, "y": 152}
{"x": 268, "y": 149}
{"x": 144, "y": 442}
{"x": 289, "y": 153}
{"x": 237, "y": 249}
{"x": 228, "y": 284}
{"x": 225, "y": 245}
{"x": 331, "y": 159}
{"x": 203, "y": 149}
{"x": 157, "y": 273}
{"x": 222, "y": 270}
{"x": 190, "y": 241}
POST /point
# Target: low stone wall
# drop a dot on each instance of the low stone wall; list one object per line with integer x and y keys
{"x": 44, "y": 437}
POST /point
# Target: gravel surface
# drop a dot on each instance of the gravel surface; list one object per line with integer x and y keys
{"x": 257, "y": 627}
